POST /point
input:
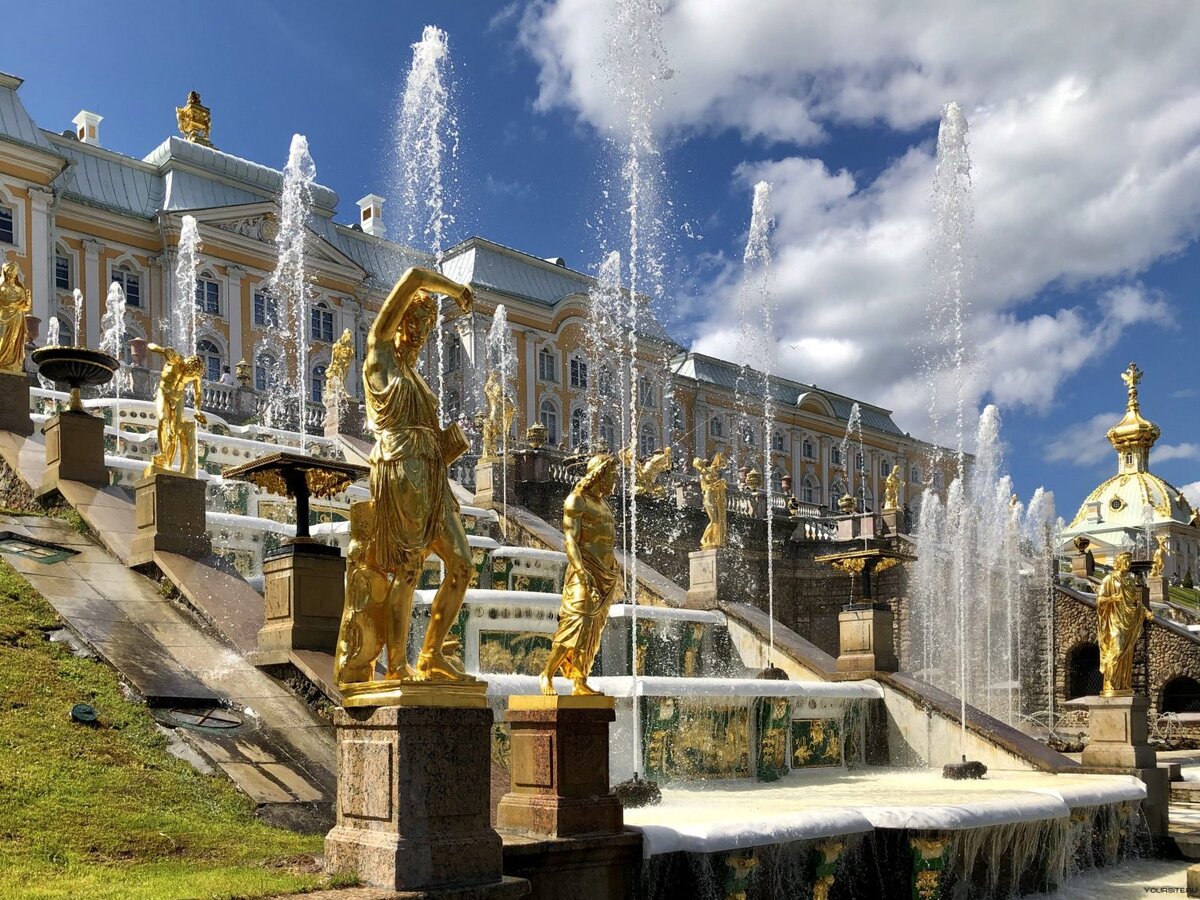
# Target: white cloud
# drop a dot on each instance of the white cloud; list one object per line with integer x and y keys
{"x": 1192, "y": 492}
{"x": 1165, "y": 452}
{"x": 1083, "y": 443}
{"x": 1085, "y": 140}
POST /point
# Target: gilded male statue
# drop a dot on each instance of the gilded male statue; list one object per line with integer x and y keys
{"x": 176, "y": 435}
{"x": 592, "y": 582}
{"x": 15, "y": 302}
{"x": 1159, "y": 560}
{"x": 340, "y": 358}
{"x": 500, "y": 415}
{"x": 413, "y": 512}
{"x": 891, "y": 490}
{"x": 1120, "y": 615}
{"x": 713, "y": 487}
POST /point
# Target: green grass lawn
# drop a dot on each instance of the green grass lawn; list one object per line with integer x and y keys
{"x": 107, "y": 811}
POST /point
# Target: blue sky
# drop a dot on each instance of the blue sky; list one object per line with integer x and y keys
{"x": 1085, "y": 136}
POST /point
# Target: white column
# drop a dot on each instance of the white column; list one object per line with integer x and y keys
{"x": 93, "y": 289}
{"x": 794, "y": 464}
{"x": 40, "y": 258}
{"x": 531, "y": 375}
{"x": 155, "y": 300}
{"x": 236, "y": 311}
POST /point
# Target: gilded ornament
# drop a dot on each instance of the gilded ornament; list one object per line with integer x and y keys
{"x": 340, "y": 358}
{"x": 177, "y": 435}
{"x": 646, "y": 472}
{"x": 194, "y": 120}
{"x": 412, "y": 511}
{"x": 499, "y": 418}
{"x": 592, "y": 582}
{"x": 891, "y": 490}
{"x": 714, "y": 489}
{"x": 1120, "y": 616}
{"x": 15, "y": 301}
{"x": 1160, "y": 555}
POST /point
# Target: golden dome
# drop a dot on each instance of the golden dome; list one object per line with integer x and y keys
{"x": 1133, "y": 432}
{"x": 1122, "y": 500}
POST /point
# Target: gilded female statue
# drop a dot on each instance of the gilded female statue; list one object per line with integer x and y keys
{"x": 500, "y": 415}
{"x": 413, "y": 511}
{"x": 1120, "y": 616}
{"x": 340, "y": 358}
{"x": 15, "y": 302}
{"x": 592, "y": 582}
{"x": 1159, "y": 560}
{"x": 176, "y": 436}
{"x": 713, "y": 487}
{"x": 891, "y": 490}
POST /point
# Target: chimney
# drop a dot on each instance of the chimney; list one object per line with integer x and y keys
{"x": 370, "y": 215}
{"x": 87, "y": 127}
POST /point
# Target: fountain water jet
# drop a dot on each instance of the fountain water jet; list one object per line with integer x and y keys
{"x": 184, "y": 314}
{"x": 112, "y": 342}
{"x": 500, "y": 359}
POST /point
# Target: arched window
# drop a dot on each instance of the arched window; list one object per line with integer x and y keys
{"x": 1083, "y": 671}
{"x": 265, "y": 372}
{"x": 316, "y": 390}
{"x": 453, "y": 353}
{"x": 321, "y": 323}
{"x": 810, "y": 491}
{"x": 647, "y": 439}
{"x": 1181, "y": 695}
{"x": 716, "y": 427}
{"x": 579, "y": 427}
{"x": 608, "y": 432}
{"x": 130, "y": 282}
{"x": 548, "y": 416}
{"x": 208, "y": 296}
{"x": 778, "y": 441}
{"x": 208, "y": 352}
{"x": 8, "y": 233}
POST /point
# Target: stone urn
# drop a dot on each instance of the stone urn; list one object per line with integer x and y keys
{"x": 242, "y": 370}
{"x": 137, "y": 351}
{"x": 33, "y": 325}
{"x": 536, "y": 435}
{"x": 785, "y": 484}
{"x": 754, "y": 480}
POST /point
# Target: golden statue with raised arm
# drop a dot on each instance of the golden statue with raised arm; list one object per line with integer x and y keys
{"x": 592, "y": 582}
{"x": 713, "y": 486}
{"x": 176, "y": 435}
{"x": 412, "y": 511}
{"x": 500, "y": 415}
{"x": 891, "y": 490}
{"x": 1120, "y": 616}
{"x": 340, "y": 358}
{"x": 1159, "y": 560}
{"x": 15, "y": 301}
{"x": 646, "y": 472}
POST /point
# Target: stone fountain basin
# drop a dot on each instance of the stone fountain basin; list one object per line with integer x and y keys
{"x": 75, "y": 366}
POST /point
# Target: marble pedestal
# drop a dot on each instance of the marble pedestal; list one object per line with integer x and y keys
{"x": 305, "y": 588}
{"x": 1157, "y": 586}
{"x": 74, "y": 450}
{"x": 893, "y": 522}
{"x": 14, "y": 404}
{"x": 865, "y": 639}
{"x": 413, "y": 801}
{"x": 856, "y": 526}
{"x": 1117, "y": 742}
{"x": 707, "y": 572}
{"x": 560, "y": 767}
{"x": 492, "y": 490}
{"x": 169, "y": 512}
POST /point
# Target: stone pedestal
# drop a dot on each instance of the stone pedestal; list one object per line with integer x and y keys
{"x": 1157, "y": 586}
{"x": 856, "y": 526}
{"x": 492, "y": 490}
{"x": 1083, "y": 565}
{"x": 413, "y": 801}
{"x": 305, "y": 589}
{"x": 865, "y": 639}
{"x": 892, "y": 521}
{"x": 560, "y": 767}
{"x": 169, "y": 511}
{"x": 74, "y": 450}
{"x": 14, "y": 404}
{"x": 707, "y": 570}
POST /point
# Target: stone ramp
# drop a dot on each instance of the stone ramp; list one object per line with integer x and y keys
{"x": 222, "y": 598}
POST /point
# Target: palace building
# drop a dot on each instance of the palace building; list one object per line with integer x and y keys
{"x": 75, "y": 214}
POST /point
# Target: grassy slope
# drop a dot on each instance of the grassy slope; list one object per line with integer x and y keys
{"x": 108, "y": 812}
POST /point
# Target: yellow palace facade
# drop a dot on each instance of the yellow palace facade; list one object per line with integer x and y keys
{"x": 76, "y": 215}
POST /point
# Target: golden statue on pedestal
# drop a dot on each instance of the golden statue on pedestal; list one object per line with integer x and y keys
{"x": 340, "y": 358}
{"x": 645, "y": 473}
{"x": 194, "y": 119}
{"x": 1159, "y": 560}
{"x": 412, "y": 511}
{"x": 176, "y": 435}
{"x": 593, "y": 580}
{"x": 15, "y": 302}
{"x": 500, "y": 415}
{"x": 713, "y": 486}
{"x": 1120, "y": 616}
{"x": 891, "y": 490}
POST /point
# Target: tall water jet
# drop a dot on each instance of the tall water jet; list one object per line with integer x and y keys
{"x": 500, "y": 360}
{"x": 53, "y": 339}
{"x": 77, "y": 300}
{"x": 289, "y": 283}
{"x": 112, "y": 342}
{"x": 185, "y": 310}
{"x": 603, "y": 340}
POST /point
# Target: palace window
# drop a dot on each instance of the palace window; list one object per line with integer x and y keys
{"x": 806, "y": 449}
{"x": 130, "y": 282}
{"x": 837, "y": 492}
{"x": 579, "y": 427}
{"x": 939, "y": 481}
{"x": 547, "y": 365}
{"x": 835, "y": 455}
{"x": 549, "y": 417}
{"x": 747, "y": 436}
{"x": 608, "y": 432}
{"x": 208, "y": 296}
{"x": 809, "y": 491}
{"x": 266, "y": 310}
{"x": 264, "y": 372}
{"x": 321, "y": 323}
{"x": 62, "y": 272}
{"x": 914, "y": 475}
{"x": 646, "y": 393}
{"x": 453, "y": 353}
{"x": 716, "y": 427}
{"x": 884, "y": 468}
{"x": 604, "y": 383}
{"x": 579, "y": 373}
{"x": 647, "y": 440}
{"x": 453, "y": 405}
{"x": 7, "y": 234}
{"x": 316, "y": 388}
{"x": 208, "y": 352}
{"x": 778, "y": 439}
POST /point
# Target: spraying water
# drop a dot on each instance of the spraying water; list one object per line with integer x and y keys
{"x": 602, "y": 347}
{"x": 53, "y": 339}
{"x": 112, "y": 342}
{"x": 77, "y": 296}
{"x": 289, "y": 283}
{"x": 500, "y": 359}
{"x": 184, "y": 314}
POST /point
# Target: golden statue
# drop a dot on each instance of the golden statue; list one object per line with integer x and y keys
{"x": 412, "y": 512}
{"x": 176, "y": 436}
{"x": 1160, "y": 556}
{"x": 645, "y": 474}
{"x": 340, "y": 358}
{"x": 713, "y": 487}
{"x": 500, "y": 415}
{"x": 1119, "y": 619}
{"x": 891, "y": 490}
{"x": 194, "y": 119}
{"x": 15, "y": 301}
{"x": 592, "y": 582}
